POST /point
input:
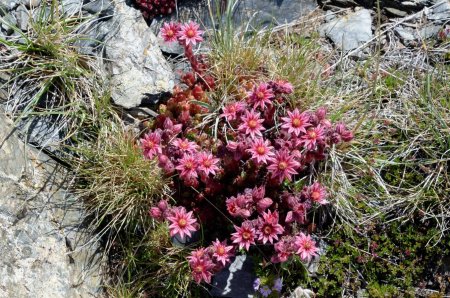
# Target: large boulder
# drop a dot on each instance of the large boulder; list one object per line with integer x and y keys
{"x": 399, "y": 8}
{"x": 133, "y": 59}
{"x": 42, "y": 243}
{"x": 350, "y": 31}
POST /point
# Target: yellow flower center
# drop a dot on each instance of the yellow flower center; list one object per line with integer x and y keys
{"x": 261, "y": 150}
{"x": 282, "y": 165}
{"x": 307, "y": 245}
{"x": 267, "y": 230}
{"x": 296, "y": 122}
{"x": 221, "y": 250}
{"x": 312, "y": 134}
{"x": 182, "y": 222}
{"x": 252, "y": 123}
{"x": 260, "y": 95}
{"x": 315, "y": 195}
{"x": 190, "y": 33}
{"x": 246, "y": 235}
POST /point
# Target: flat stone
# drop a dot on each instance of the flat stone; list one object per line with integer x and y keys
{"x": 235, "y": 280}
{"x": 8, "y": 23}
{"x": 443, "y": 6}
{"x": 30, "y": 3}
{"x": 101, "y": 7}
{"x": 350, "y": 31}
{"x": 70, "y": 7}
{"x": 23, "y": 17}
{"x": 136, "y": 65}
{"x": 406, "y": 34}
{"x": 13, "y": 163}
{"x": 4, "y": 8}
{"x": 396, "y": 12}
{"x": 429, "y": 31}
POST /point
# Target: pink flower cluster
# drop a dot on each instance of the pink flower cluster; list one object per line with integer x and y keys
{"x": 153, "y": 8}
{"x": 187, "y": 35}
{"x": 249, "y": 164}
{"x": 204, "y": 262}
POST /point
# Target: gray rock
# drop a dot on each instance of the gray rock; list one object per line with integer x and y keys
{"x": 40, "y": 234}
{"x": 10, "y": 4}
{"x": 8, "y": 23}
{"x": 441, "y": 12}
{"x": 70, "y": 7}
{"x": 30, "y": 3}
{"x": 350, "y": 31}
{"x": 41, "y": 13}
{"x": 43, "y": 131}
{"x": 429, "y": 31}
{"x": 396, "y": 12}
{"x": 4, "y": 8}
{"x": 236, "y": 280}
{"x": 23, "y": 17}
{"x": 170, "y": 47}
{"x": 263, "y": 13}
{"x": 133, "y": 59}
{"x": 406, "y": 34}
{"x": 248, "y": 14}
{"x": 101, "y": 7}
{"x": 442, "y": 7}
{"x": 397, "y": 8}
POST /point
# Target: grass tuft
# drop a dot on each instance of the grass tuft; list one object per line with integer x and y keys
{"x": 118, "y": 181}
{"x": 50, "y": 78}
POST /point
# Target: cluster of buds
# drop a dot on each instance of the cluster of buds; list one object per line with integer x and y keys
{"x": 154, "y": 8}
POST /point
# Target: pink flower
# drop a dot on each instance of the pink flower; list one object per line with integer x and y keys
{"x": 239, "y": 206}
{"x": 156, "y": 213}
{"x": 283, "y": 166}
{"x": 306, "y": 247}
{"x": 185, "y": 145}
{"x": 263, "y": 204}
{"x": 190, "y": 34}
{"x": 252, "y": 124}
{"x": 202, "y": 269}
{"x": 207, "y": 164}
{"x": 281, "y": 86}
{"x": 170, "y": 128}
{"x": 345, "y": 134}
{"x": 269, "y": 228}
{"x": 296, "y": 123}
{"x": 230, "y": 111}
{"x": 244, "y": 236}
{"x": 182, "y": 223}
{"x": 187, "y": 167}
{"x": 260, "y": 96}
{"x": 151, "y": 144}
{"x": 261, "y": 151}
{"x": 317, "y": 193}
{"x": 199, "y": 253}
{"x": 312, "y": 137}
{"x": 169, "y": 32}
{"x": 297, "y": 213}
{"x": 284, "y": 249}
{"x": 221, "y": 251}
